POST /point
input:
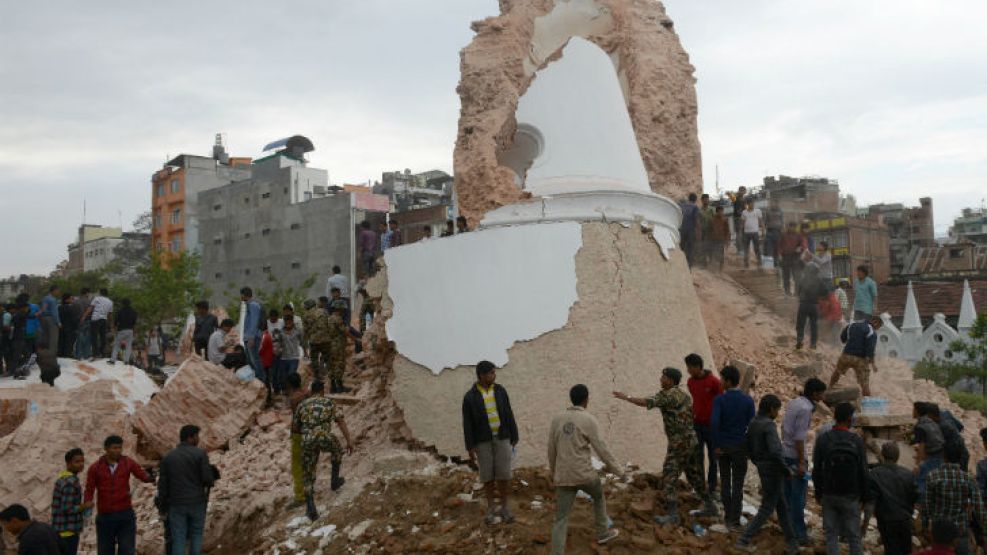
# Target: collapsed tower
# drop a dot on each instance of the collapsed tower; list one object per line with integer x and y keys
{"x": 578, "y": 124}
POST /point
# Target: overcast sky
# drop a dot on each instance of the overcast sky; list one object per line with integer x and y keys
{"x": 888, "y": 96}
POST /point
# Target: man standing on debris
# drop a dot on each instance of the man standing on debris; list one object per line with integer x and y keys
{"x": 125, "y": 321}
{"x": 109, "y": 480}
{"x": 953, "y": 496}
{"x": 251, "y": 329}
{"x": 205, "y": 325}
{"x": 732, "y": 413}
{"x": 689, "y": 229}
{"x": 892, "y": 498}
{"x": 839, "y": 466}
{"x": 766, "y": 453}
{"x": 704, "y": 387}
{"x": 683, "y": 454}
{"x": 216, "y": 349}
{"x": 570, "y": 438}
{"x": 718, "y": 239}
{"x": 51, "y": 322}
{"x": 794, "y": 431}
{"x": 98, "y": 314}
{"x": 951, "y": 429}
{"x": 66, "y": 502}
{"x": 752, "y": 222}
{"x": 491, "y": 434}
{"x": 739, "y": 203}
{"x": 338, "y": 333}
{"x": 929, "y": 443}
{"x": 296, "y": 394}
{"x": 790, "y": 249}
{"x": 864, "y": 295}
{"x": 314, "y": 419}
{"x": 33, "y": 537}
{"x": 367, "y": 243}
{"x": 183, "y": 487}
{"x": 811, "y": 290}
{"x": 83, "y": 340}
{"x": 319, "y": 336}
{"x": 859, "y": 343}
{"x": 338, "y": 281}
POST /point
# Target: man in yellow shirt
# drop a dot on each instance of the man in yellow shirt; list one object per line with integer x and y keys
{"x": 491, "y": 434}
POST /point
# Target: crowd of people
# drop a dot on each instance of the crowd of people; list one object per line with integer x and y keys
{"x": 719, "y": 423}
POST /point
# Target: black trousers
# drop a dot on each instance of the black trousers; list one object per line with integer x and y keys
{"x": 733, "y": 470}
{"x": 98, "y": 328}
{"x": 896, "y": 536}
{"x": 808, "y": 312}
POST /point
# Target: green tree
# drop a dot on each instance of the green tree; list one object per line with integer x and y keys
{"x": 166, "y": 289}
{"x": 93, "y": 279}
{"x": 971, "y": 356}
{"x": 274, "y": 295}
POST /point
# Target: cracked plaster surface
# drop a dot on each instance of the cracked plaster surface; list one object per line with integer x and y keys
{"x": 636, "y": 314}
{"x": 499, "y": 64}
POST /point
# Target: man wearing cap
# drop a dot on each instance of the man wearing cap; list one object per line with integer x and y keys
{"x": 682, "y": 455}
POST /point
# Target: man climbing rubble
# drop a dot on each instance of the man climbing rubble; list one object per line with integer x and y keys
{"x": 313, "y": 420}
{"x": 319, "y": 336}
{"x": 338, "y": 333}
{"x": 682, "y": 455}
{"x": 859, "y": 343}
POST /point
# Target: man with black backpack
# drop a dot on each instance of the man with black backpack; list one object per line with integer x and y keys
{"x": 840, "y": 477}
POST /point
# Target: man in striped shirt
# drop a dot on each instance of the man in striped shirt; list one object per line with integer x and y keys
{"x": 491, "y": 434}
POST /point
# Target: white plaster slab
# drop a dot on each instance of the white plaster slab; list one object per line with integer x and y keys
{"x": 459, "y": 300}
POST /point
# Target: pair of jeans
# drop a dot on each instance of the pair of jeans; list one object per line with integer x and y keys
{"x": 187, "y": 524}
{"x": 68, "y": 545}
{"x": 808, "y": 312}
{"x": 116, "y": 533}
{"x": 127, "y": 338}
{"x": 564, "y": 498}
{"x": 705, "y": 436}
{"x": 688, "y": 242}
{"x": 83, "y": 343}
{"x": 896, "y": 536}
{"x": 97, "y": 331}
{"x": 774, "y": 492}
{"x": 733, "y": 469}
{"x": 285, "y": 367}
{"x": 752, "y": 240}
{"x": 841, "y": 518}
{"x": 795, "y": 489}
{"x": 252, "y": 350}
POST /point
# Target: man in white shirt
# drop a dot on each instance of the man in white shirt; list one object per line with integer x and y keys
{"x": 339, "y": 281}
{"x": 99, "y": 313}
{"x": 753, "y": 224}
{"x": 216, "y": 350}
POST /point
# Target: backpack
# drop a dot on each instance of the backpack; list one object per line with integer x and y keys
{"x": 841, "y": 467}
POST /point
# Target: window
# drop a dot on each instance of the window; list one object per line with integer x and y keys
{"x": 296, "y": 265}
{"x": 246, "y": 235}
{"x": 176, "y": 216}
{"x": 265, "y": 231}
{"x": 219, "y": 275}
{"x": 176, "y": 244}
{"x": 266, "y": 269}
{"x": 246, "y": 272}
{"x": 161, "y": 189}
{"x": 286, "y": 190}
{"x": 217, "y": 206}
{"x": 217, "y": 241}
{"x": 175, "y": 186}
{"x": 157, "y": 220}
{"x": 955, "y": 253}
{"x": 265, "y": 195}
{"x": 296, "y": 226}
{"x": 246, "y": 200}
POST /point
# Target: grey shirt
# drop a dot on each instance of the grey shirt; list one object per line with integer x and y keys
{"x": 795, "y": 426}
{"x": 214, "y": 350}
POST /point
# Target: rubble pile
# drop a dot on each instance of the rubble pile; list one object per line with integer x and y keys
{"x": 204, "y": 394}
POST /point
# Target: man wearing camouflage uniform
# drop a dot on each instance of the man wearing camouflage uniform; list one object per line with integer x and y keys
{"x": 338, "y": 332}
{"x": 313, "y": 419}
{"x": 682, "y": 455}
{"x": 317, "y": 331}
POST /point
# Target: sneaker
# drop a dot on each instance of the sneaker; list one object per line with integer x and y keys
{"x": 505, "y": 516}
{"x": 744, "y": 546}
{"x": 492, "y": 517}
{"x": 666, "y": 519}
{"x": 611, "y": 534}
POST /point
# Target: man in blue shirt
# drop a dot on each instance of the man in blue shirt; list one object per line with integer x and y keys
{"x": 864, "y": 295}
{"x": 732, "y": 412}
{"x": 251, "y": 329}
{"x": 50, "y": 322}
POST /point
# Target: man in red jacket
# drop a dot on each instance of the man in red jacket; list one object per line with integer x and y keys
{"x": 109, "y": 479}
{"x": 704, "y": 386}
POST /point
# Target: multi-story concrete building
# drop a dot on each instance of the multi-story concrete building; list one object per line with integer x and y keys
{"x": 96, "y": 247}
{"x": 799, "y": 196}
{"x": 285, "y": 224}
{"x": 971, "y": 226}
{"x": 174, "y": 193}
{"x": 409, "y": 191}
{"x": 910, "y": 228}
{"x": 854, "y": 242}
{"x": 952, "y": 261}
